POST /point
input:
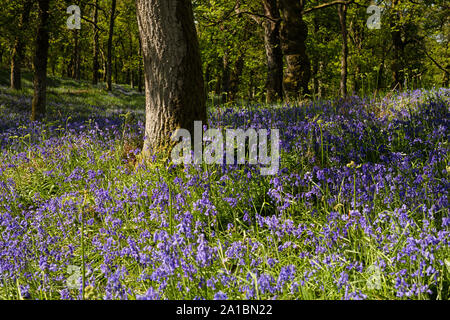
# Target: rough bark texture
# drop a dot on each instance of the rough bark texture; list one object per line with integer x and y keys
{"x": 40, "y": 63}
{"x": 342, "y": 11}
{"x": 274, "y": 55}
{"x": 19, "y": 46}
{"x": 110, "y": 40}
{"x": 95, "y": 64}
{"x": 174, "y": 87}
{"x": 293, "y": 35}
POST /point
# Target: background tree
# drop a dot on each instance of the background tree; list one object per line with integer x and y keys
{"x": 38, "y": 105}
{"x": 17, "y": 55}
{"x": 110, "y": 44}
{"x": 293, "y": 33}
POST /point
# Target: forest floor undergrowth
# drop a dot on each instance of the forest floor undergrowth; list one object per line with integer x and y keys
{"x": 358, "y": 209}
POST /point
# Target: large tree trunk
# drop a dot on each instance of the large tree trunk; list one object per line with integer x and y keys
{"x": 342, "y": 11}
{"x": 18, "y": 50}
{"x": 293, "y": 34}
{"x": 110, "y": 40}
{"x": 40, "y": 63}
{"x": 274, "y": 55}
{"x": 174, "y": 88}
{"x": 95, "y": 64}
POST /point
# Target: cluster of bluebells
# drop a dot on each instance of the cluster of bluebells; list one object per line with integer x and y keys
{"x": 358, "y": 209}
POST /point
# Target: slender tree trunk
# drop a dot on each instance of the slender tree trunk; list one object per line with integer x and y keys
{"x": 251, "y": 86}
{"x": 16, "y": 61}
{"x": 342, "y": 11}
{"x": 18, "y": 50}
{"x": 174, "y": 87}
{"x": 320, "y": 85}
{"x": 356, "y": 86}
{"x": 95, "y": 64}
{"x": 110, "y": 43}
{"x": 226, "y": 78}
{"x": 115, "y": 70}
{"x": 131, "y": 65}
{"x": 40, "y": 63}
{"x": 293, "y": 34}
{"x": 236, "y": 77}
{"x": 207, "y": 78}
{"x": 218, "y": 86}
{"x": 398, "y": 47}
{"x": 140, "y": 72}
{"x": 274, "y": 55}
{"x": 75, "y": 55}
{"x": 140, "y": 78}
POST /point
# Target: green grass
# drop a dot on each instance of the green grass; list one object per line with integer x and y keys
{"x": 126, "y": 183}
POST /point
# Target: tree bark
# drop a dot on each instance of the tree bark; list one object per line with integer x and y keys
{"x": 398, "y": 47}
{"x": 226, "y": 78}
{"x": 76, "y": 56}
{"x": 131, "y": 66}
{"x": 40, "y": 63}
{"x": 110, "y": 40}
{"x": 274, "y": 55}
{"x": 18, "y": 50}
{"x": 174, "y": 86}
{"x": 293, "y": 34}
{"x": 342, "y": 11}
{"x": 95, "y": 64}
{"x": 140, "y": 67}
{"x": 236, "y": 77}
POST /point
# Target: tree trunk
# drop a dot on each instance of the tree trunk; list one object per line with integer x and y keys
{"x": 131, "y": 66}
{"x": 95, "y": 64}
{"x": 320, "y": 86}
{"x": 207, "y": 78}
{"x": 342, "y": 11}
{"x": 236, "y": 77}
{"x": 115, "y": 70}
{"x": 174, "y": 86}
{"x": 76, "y": 56}
{"x": 40, "y": 63}
{"x": 274, "y": 55}
{"x": 140, "y": 66}
{"x": 16, "y": 62}
{"x": 226, "y": 78}
{"x": 110, "y": 40}
{"x": 398, "y": 47}
{"x": 18, "y": 50}
{"x": 293, "y": 34}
